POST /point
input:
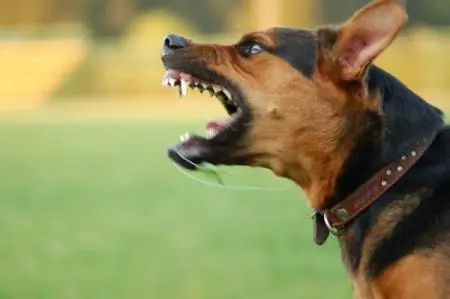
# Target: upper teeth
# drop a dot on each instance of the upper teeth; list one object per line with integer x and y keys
{"x": 183, "y": 87}
{"x": 227, "y": 93}
{"x": 183, "y": 81}
{"x": 172, "y": 81}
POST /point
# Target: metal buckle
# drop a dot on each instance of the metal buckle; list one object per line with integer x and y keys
{"x": 333, "y": 230}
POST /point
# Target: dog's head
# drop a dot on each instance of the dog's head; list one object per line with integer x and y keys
{"x": 297, "y": 99}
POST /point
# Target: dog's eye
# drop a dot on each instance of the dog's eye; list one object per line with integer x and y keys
{"x": 249, "y": 49}
{"x": 254, "y": 49}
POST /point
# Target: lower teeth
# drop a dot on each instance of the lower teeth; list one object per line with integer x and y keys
{"x": 185, "y": 137}
{"x": 211, "y": 133}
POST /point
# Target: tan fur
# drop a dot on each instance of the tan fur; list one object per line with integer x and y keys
{"x": 387, "y": 221}
{"x": 413, "y": 277}
{"x": 363, "y": 286}
{"x": 416, "y": 276}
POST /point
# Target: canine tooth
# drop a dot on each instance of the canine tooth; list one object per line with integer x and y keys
{"x": 183, "y": 87}
{"x": 172, "y": 82}
{"x": 227, "y": 93}
{"x": 216, "y": 88}
{"x": 165, "y": 82}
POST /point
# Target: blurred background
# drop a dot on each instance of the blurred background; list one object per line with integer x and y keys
{"x": 89, "y": 205}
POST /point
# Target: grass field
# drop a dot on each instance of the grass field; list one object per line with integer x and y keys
{"x": 91, "y": 208}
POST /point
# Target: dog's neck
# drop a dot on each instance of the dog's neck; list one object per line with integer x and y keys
{"x": 407, "y": 119}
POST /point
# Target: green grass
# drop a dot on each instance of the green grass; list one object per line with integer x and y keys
{"x": 95, "y": 210}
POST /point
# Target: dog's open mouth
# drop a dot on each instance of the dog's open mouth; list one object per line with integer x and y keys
{"x": 221, "y": 135}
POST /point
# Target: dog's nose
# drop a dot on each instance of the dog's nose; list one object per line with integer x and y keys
{"x": 173, "y": 42}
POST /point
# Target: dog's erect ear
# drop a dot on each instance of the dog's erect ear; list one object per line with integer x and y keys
{"x": 347, "y": 51}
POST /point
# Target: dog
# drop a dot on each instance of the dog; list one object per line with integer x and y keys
{"x": 371, "y": 155}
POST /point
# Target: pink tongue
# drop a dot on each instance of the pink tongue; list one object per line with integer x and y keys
{"x": 217, "y": 124}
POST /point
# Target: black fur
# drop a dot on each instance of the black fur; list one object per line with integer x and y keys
{"x": 422, "y": 229}
{"x": 407, "y": 120}
{"x": 297, "y": 47}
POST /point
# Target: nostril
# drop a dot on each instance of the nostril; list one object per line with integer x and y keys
{"x": 174, "y": 42}
{"x": 169, "y": 43}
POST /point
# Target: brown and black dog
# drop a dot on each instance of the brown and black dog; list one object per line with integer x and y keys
{"x": 311, "y": 106}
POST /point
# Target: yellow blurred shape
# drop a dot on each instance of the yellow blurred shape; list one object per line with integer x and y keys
{"x": 149, "y": 28}
{"x": 31, "y": 70}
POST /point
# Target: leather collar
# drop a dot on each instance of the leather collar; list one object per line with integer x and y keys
{"x": 335, "y": 219}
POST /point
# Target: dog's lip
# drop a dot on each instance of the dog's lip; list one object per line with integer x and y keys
{"x": 189, "y": 153}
